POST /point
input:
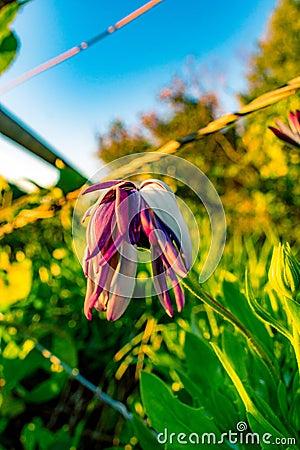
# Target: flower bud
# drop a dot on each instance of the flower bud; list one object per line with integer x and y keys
{"x": 284, "y": 272}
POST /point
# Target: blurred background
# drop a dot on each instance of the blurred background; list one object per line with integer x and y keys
{"x": 163, "y": 76}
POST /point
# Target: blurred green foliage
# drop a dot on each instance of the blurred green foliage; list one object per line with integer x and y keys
{"x": 196, "y": 373}
{"x": 8, "y": 41}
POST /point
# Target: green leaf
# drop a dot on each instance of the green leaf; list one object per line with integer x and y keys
{"x": 239, "y": 307}
{"x": 69, "y": 180}
{"x": 235, "y": 351}
{"x": 201, "y": 362}
{"x": 7, "y": 15}
{"x": 14, "y": 370}
{"x": 12, "y": 406}
{"x": 234, "y": 377}
{"x": 8, "y": 40}
{"x": 64, "y": 348}
{"x": 262, "y": 313}
{"x": 294, "y": 412}
{"x": 35, "y": 435}
{"x": 215, "y": 402}
{"x": 46, "y": 390}
{"x": 248, "y": 365}
{"x": 282, "y": 398}
{"x": 259, "y": 410}
{"x": 146, "y": 437}
{"x": 267, "y": 435}
{"x": 271, "y": 416}
{"x": 168, "y": 415}
{"x": 8, "y": 51}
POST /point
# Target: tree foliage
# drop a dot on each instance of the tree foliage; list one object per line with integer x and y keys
{"x": 8, "y": 41}
{"x": 277, "y": 58}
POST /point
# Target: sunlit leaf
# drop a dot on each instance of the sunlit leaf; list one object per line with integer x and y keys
{"x": 8, "y": 40}
{"x": 146, "y": 437}
{"x": 167, "y": 414}
{"x": 17, "y": 285}
{"x": 7, "y": 15}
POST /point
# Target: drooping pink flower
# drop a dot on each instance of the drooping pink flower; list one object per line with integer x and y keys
{"x": 290, "y": 135}
{"x": 124, "y": 218}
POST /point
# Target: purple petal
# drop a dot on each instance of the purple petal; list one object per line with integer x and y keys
{"x": 94, "y": 289}
{"x": 285, "y": 129}
{"x": 127, "y": 207}
{"x": 147, "y": 225}
{"x": 101, "y": 303}
{"x": 102, "y": 185}
{"x": 284, "y": 137}
{"x": 294, "y": 121}
{"x": 162, "y": 202}
{"x": 135, "y": 230}
{"x": 179, "y": 296}
{"x": 106, "y": 254}
{"x": 158, "y": 235}
{"x": 178, "y": 292}
{"x": 96, "y": 285}
{"x": 169, "y": 250}
{"x": 156, "y": 184}
{"x": 100, "y": 228}
{"x": 87, "y": 213}
{"x": 122, "y": 283}
{"x": 160, "y": 283}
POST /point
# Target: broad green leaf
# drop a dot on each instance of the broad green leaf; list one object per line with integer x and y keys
{"x": 46, "y": 390}
{"x": 199, "y": 378}
{"x": 7, "y": 15}
{"x": 35, "y": 435}
{"x": 69, "y": 180}
{"x": 14, "y": 370}
{"x": 146, "y": 437}
{"x": 268, "y": 435}
{"x": 294, "y": 411}
{"x": 168, "y": 415}
{"x": 282, "y": 398}
{"x": 12, "y": 406}
{"x": 201, "y": 362}
{"x": 239, "y": 306}
{"x": 270, "y": 415}
{"x": 262, "y": 313}
{"x": 260, "y": 411}
{"x": 8, "y": 50}
{"x": 64, "y": 348}
{"x": 248, "y": 365}
{"x": 221, "y": 407}
{"x": 234, "y": 377}
{"x": 235, "y": 350}
{"x": 8, "y": 40}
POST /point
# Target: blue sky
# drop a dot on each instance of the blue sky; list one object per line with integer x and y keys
{"x": 122, "y": 75}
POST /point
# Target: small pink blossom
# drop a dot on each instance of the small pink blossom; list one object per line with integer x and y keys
{"x": 291, "y": 134}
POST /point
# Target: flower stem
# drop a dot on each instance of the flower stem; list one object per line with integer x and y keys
{"x": 296, "y": 344}
{"x": 292, "y": 309}
{"x": 227, "y": 315}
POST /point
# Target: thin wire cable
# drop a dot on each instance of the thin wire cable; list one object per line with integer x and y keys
{"x": 79, "y": 48}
